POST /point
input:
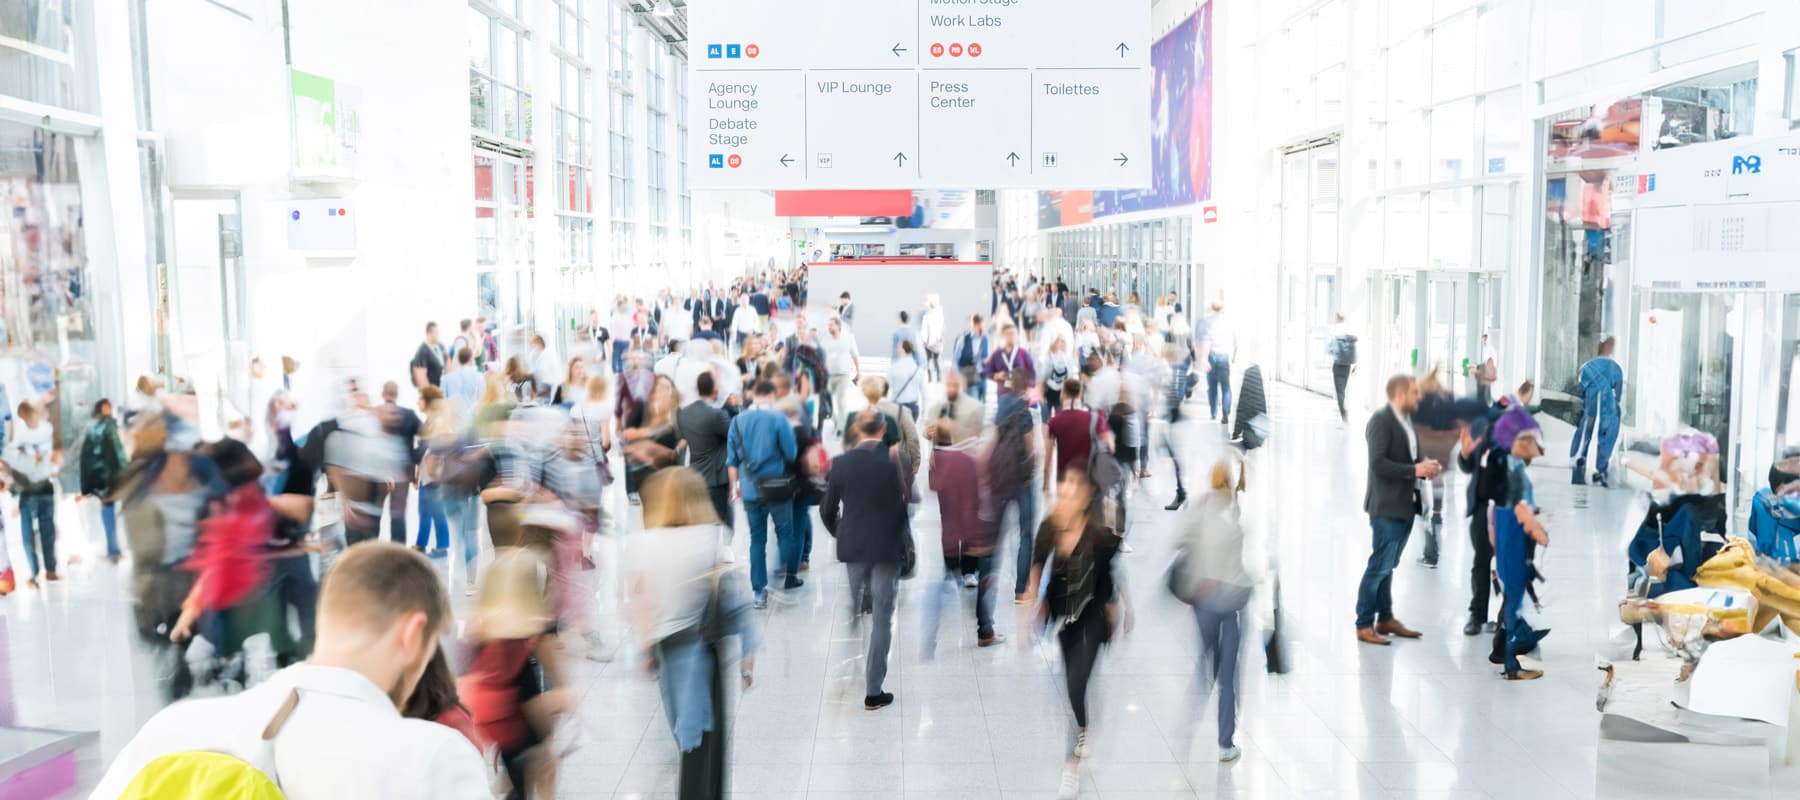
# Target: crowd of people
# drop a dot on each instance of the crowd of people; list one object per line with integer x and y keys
{"x": 278, "y": 571}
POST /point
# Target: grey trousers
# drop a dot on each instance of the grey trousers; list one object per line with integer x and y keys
{"x": 1221, "y": 635}
{"x": 879, "y": 583}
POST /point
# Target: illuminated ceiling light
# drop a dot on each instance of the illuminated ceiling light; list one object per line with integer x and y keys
{"x": 664, "y": 8}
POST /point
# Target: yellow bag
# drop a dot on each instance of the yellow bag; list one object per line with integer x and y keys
{"x": 216, "y": 776}
{"x": 210, "y": 775}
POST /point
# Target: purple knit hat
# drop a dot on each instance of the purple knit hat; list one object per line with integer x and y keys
{"x": 1512, "y": 424}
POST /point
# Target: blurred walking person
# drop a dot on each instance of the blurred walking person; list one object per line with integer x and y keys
{"x": 931, "y": 336}
{"x": 33, "y": 457}
{"x": 686, "y": 603}
{"x": 1085, "y": 601}
{"x": 865, "y": 509}
{"x": 1212, "y": 576}
{"x": 968, "y": 540}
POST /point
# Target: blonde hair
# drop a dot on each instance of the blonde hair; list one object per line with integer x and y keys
{"x": 511, "y": 602}
{"x": 596, "y": 388}
{"x": 495, "y": 390}
{"x": 1431, "y": 383}
{"x": 873, "y": 388}
{"x": 1222, "y": 472}
{"x": 676, "y": 497}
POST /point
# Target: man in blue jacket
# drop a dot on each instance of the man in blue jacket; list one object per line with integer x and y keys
{"x": 761, "y": 445}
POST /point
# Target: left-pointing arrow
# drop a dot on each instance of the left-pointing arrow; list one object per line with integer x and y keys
{"x": 785, "y": 160}
{"x": 898, "y": 50}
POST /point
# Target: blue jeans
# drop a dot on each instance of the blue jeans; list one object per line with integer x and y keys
{"x": 803, "y": 528}
{"x": 109, "y": 522}
{"x": 1596, "y": 424}
{"x": 1218, "y": 384}
{"x": 1221, "y": 635}
{"x": 1375, "y": 595}
{"x": 37, "y": 517}
{"x": 758, "y": 514}
{"x": 618, "y": 356}
{"x": 948, "y": 592}
{"x": 432, "y": 518}
{"x": 292, "y": 577}
{"x": 1026, "y": 500}
{"x": 462, "y": 507}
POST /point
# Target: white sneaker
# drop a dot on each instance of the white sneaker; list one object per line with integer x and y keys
{"x": 1125, "y": 547}
{"x": 726, "y": 555}
{"x": 1229, "y": 754}
{"x": 969, "y": 582}
{"x": 1081, "y": 745}
{"x": 1070, "y": 787}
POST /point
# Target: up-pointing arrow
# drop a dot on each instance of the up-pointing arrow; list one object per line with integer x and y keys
{"x": 1013, "y": 158}
{"x": 900, "y": 159}
{"x": 1122, "y": 48}
{"x": 785, "y": 160}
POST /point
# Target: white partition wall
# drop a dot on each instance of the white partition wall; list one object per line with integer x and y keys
{"x": 882, "y": 291}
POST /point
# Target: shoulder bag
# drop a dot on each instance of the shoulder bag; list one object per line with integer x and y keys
{"x": 909, "y": 553}
{"x": 778, "y": 488}
{"x": 1103, "y": 469}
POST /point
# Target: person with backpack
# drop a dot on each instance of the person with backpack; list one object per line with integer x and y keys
{"x": 1011, "y": 464}
{"x": 328, "y": 728}
{"x": 102, "y": 460}
{"x": 1341, "y": 347}
{"x": 970, "y": 355}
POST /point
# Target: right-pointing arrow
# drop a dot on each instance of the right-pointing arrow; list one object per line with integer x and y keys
{"x": 1013, "y": 158}
{"x": 1122, "y": 159}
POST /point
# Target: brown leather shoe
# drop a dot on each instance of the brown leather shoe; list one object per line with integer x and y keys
{"x": 1524, "y": 675}
{"x": 1394, "y": 627}
{"x": 1369, "y": 636}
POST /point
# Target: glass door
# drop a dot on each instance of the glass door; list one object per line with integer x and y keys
{"x": 1397, "y": 349}
{"x": 1447, "y": 329}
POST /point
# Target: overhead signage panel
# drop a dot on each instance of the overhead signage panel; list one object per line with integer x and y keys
{"x": 827, "y": 94}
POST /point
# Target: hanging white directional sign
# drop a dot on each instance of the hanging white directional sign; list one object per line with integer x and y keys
{"x": 835, "y": 94}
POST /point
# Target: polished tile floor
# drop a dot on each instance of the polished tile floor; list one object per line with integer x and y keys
{"x": 1426, "y": 718}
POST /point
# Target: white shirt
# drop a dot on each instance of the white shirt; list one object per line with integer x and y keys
{"x": 675, "y": 568}
{"x": 1412, "y": 437}
{"x": 840, "y": 354}
{"x": 30, "y": 449}
{"x": 744, "y": 321}
{"x": 344, "y": 739}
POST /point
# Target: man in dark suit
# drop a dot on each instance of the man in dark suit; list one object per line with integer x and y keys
{"x": 1392, "y": 500}
{"x": 704, "y": 430}
{"x": 864, "y": 510}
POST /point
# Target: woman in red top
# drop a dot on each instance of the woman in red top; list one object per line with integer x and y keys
{"x": 514, "y": 686}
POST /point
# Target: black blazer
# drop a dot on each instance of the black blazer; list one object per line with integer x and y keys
{"x": 863, "y": 507}
{"x": 1393, "y": 489}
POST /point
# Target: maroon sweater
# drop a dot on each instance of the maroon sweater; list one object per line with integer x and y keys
{"x": 957, "y": 480}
